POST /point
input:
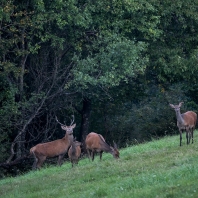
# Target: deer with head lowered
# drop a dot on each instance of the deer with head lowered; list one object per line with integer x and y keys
{"x": 54, "y": 148}
{"x": 95, "y": 143}
{"x": 74, "y": 152}
{"x": 185, "y": 122}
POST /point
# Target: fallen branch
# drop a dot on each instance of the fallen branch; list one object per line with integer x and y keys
{"x": 17, "y": 161}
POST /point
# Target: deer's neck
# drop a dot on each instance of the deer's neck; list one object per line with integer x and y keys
{"x": 106, "y": 147}
{"x": 68, "y": 138}
{"x": 179, "y": 117}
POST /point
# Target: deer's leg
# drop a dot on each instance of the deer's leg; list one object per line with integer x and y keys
{"x": 192, "y": 134}
{"x": 40, "y": 161}
{"x": 75, "y": 161}
{"x": 89, "y": 154}
{"x": 180, "y": 131}
{"x": 35, "y": 161}
{"x": 188, "y": 135}
{"x": 60, "y": 159}
{"x": 34, "y": 166}
{"x": 92, "y": 155}
{"x": 101, "y": 155}
{"x": 72, "y": 162}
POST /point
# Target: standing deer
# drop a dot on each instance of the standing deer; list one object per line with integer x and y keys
{"x": 54, "y": 148}
{"x": 185, "y": 122}
{"x": 96, "y": 143}
{"x": 74, "y": 152}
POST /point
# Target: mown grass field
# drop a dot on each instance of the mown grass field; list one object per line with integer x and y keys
{"x": 157, "y": 169}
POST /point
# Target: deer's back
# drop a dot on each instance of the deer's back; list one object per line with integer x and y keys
{"x": 93, "y": 141}
{"x": 190, "y": 118}
{"x": 51, "y": 149}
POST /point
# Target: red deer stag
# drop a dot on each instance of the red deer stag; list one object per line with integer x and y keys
{"x": 74, "y": 152}
{"x": 96, "y": 143}
{"x": 185, "y": 122}
{"x": 54, "y": 148}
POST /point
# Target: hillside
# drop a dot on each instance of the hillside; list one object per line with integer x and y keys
{"x": 155, "y": 169}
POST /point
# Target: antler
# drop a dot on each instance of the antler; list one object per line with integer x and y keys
{"x": 58, "y": 121}
{"x": 72, "y": 121}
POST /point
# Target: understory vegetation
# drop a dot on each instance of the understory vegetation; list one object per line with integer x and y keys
{"x": 156, "y": 169}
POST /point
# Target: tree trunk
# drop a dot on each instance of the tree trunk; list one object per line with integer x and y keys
{"x": 85, "y": 113}
{"x": 21, "y": 137}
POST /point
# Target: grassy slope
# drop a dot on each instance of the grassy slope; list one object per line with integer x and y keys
{"x": 156, "y": 169}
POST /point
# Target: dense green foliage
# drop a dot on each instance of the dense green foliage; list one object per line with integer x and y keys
{"x": 156, "y": 169}
{"x": 115, "y": 65}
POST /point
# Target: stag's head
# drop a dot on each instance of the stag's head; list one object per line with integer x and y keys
{"x": 68, "y": 129}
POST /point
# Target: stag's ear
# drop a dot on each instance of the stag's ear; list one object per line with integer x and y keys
{"x": 64, "y": 127}
{"x": 115, "y": 145}
{"x": 171, "y": 105}
{"x": 73, "y": 126}
{"x": 180, "y": 104}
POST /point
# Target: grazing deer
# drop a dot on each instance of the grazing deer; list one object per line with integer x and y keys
{"x": 185, "y": 122}
{"x": 54, "y": 148}
{"x": 96, "y": 143}
{"x": 74, "y": 152}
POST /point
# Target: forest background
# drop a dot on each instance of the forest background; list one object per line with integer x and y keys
{"x": 115, "y": 65}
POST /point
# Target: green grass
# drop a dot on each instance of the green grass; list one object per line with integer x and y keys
{"x": 157, "y": 169}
